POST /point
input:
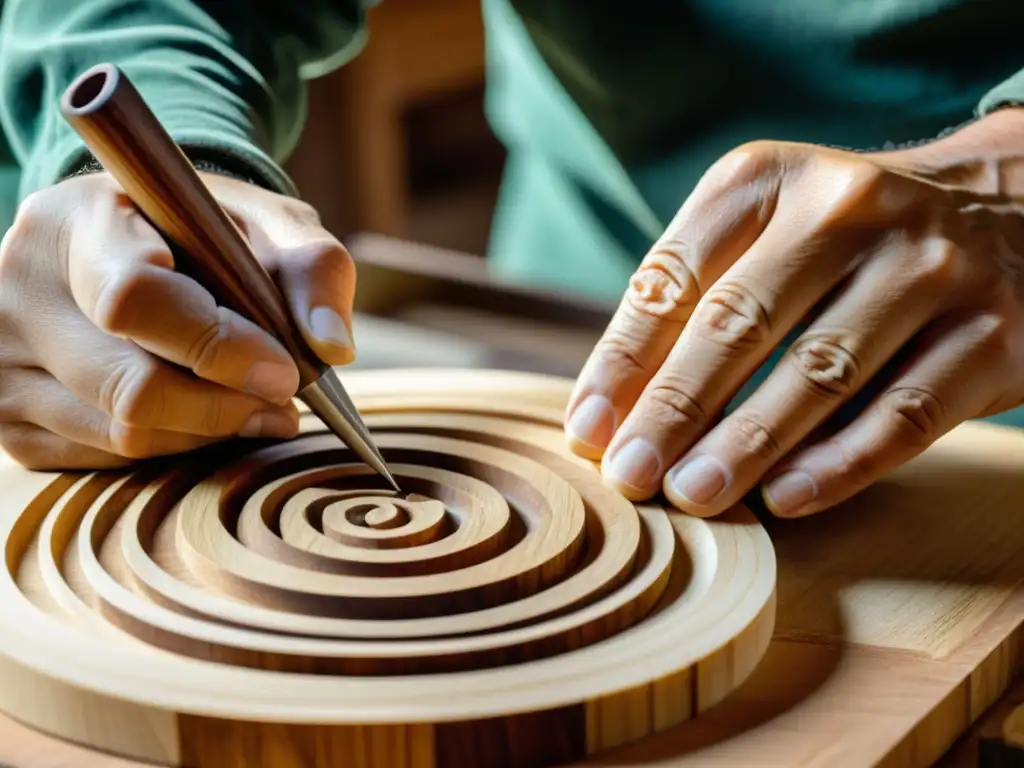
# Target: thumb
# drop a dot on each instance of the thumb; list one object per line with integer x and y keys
{"x": 318, "y": 278}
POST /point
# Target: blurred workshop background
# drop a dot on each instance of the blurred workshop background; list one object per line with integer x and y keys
{"x": 397, "y": 142}
{"x": 399, "y": 159}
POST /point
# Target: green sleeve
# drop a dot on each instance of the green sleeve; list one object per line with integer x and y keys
{"x": 221, "y": 75}
{"x": 1010, "y": 92}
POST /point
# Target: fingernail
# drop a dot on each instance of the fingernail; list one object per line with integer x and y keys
{"x": 636, "y": 464}
{"x": 275, "y": 382}
{"x": 593, "y": 422}
{"x": 700, "y": 480}
{"x": 270, "y": 424}
{"x": 327, "y": 325}
{"x": 787, "y": 494}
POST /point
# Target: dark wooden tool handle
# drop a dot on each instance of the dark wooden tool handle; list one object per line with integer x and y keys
{"x": 125, "y": 136}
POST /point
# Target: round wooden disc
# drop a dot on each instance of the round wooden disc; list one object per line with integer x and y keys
{"x": 506, "y": 608}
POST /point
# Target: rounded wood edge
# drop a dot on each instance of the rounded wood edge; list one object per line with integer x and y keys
{"x": 728, "y": 627}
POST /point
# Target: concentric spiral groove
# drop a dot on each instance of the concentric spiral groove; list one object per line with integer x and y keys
{"x": 287, "y": 583}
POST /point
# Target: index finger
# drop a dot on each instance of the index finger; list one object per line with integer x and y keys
{"x": 721, "y": 219}
{"x": 121, "y": 275}
{"x": 740, "y": 320}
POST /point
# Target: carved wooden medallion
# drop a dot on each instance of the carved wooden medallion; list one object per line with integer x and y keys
{"x": 265, "y": 604}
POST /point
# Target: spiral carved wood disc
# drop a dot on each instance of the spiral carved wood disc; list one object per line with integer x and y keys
{"x": 276, "y": 605}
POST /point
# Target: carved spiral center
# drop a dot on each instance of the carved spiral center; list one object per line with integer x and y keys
{"x": 381, "y": 521}
{"x": 384, "y": 517}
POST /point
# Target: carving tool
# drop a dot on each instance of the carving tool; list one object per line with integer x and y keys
{"x": 127, "y": 139}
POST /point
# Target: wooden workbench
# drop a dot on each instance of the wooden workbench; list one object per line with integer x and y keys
{"x": 898, "y": 616}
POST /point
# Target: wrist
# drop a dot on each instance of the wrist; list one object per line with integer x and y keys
{"x": 203, "y": 159}
{"x": 985, "y": 157}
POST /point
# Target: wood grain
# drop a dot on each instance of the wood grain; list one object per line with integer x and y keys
{"x": 997, "y": 739}
{"x": 274, "y": 604}
{"x": 840, "y": 687}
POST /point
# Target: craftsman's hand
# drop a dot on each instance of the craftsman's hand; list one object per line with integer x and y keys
{"x": 107, "y": 354}
{"x": 913, "y": 257}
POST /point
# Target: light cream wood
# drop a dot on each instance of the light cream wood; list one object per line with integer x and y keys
{"x": 274, "y": 605}
{"x": 899, "y": 623}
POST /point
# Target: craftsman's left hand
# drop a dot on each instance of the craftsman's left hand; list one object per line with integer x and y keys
{"x": 916, "y": 252}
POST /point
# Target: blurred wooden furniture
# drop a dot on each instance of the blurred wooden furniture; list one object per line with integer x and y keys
{"x": 396, "y": 141}
{"x": 451, "y": 299}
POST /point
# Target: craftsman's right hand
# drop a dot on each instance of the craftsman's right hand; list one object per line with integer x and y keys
{"x": 109, "y": 355}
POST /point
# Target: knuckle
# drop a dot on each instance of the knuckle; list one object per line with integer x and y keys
{"x": 129, "y": 442}
{"x": 19, "y": 241}
{"x": 732, "y": 316}
{"x": 754, "y": 436}
{"x": 852, "y": 189}
{"x": 330, "y": 255}
{"x": 323, "y": 257}
{"x": 749, "y": 161}
{"x": 664, "y": 286}
{"x": 216, "y": 419}
{"x": 5, "y": 398}
{"x": 939, "y": 263}
{"x": 916, "y": 415}
{"x": 132, "y": 393}
{"x": 746, "y": 167}
{"x": 205, "y": 351}
{"x": 156, "y": 255}
{"x": 670, "y": 394}
{"x": 301, "y": 212}
{"x": 12, "y": 313}
{"x": 618, "y": 353}
{"x": 10, "y": 405}
{"x": 867, "y": 183}
{"x": 859, "y": 464}
{"x": 116, "y": 304}
{"x": 35, "y": 206}
{"x": 18, "y": 443}
{"x": 827, "y": 365}
{"x": 999, "y": 337}
{"x": 11, "y": 257}
{"x": 895, "y": 195}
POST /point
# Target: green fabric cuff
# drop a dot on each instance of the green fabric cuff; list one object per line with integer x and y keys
{"x": 203, "y": 160}
{"x": 202, "y": 118}
{"x": 219, "y": 155}
{"x": 1008, "y": 93}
